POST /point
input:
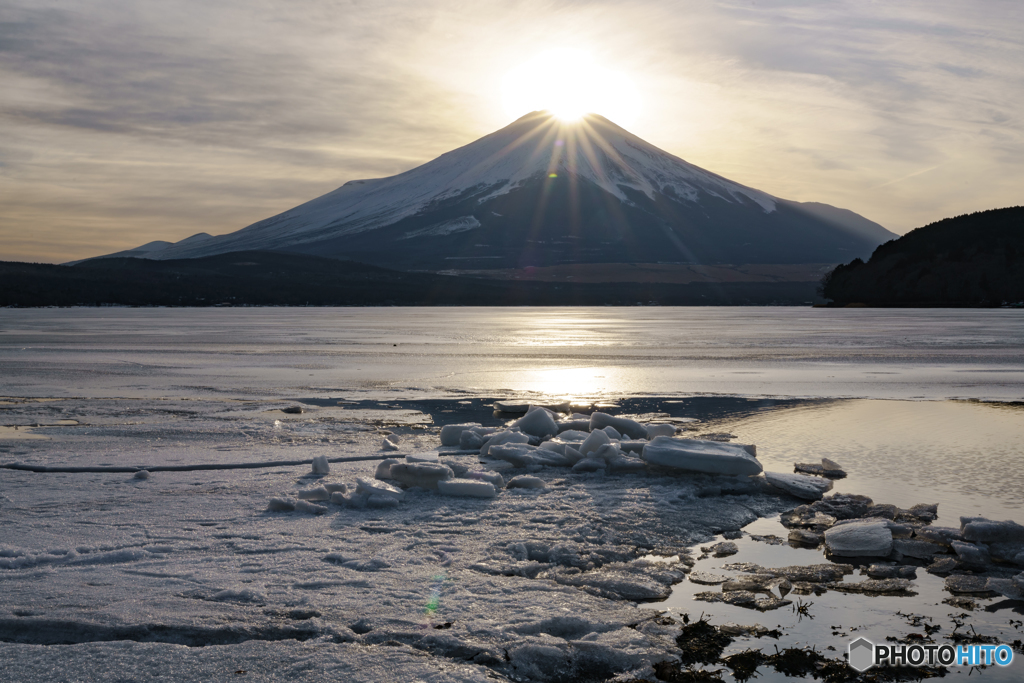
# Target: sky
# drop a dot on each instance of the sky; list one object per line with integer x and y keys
{"x": 127, "y": 121}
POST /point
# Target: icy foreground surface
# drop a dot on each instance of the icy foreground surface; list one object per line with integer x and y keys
{"x": 109, "y": 572}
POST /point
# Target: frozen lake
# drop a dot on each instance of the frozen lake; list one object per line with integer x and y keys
{"x": 577, "y": 353}
{"x": 112, "y": 577}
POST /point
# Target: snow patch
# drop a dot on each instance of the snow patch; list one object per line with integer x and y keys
{"x": 461, "y": 224}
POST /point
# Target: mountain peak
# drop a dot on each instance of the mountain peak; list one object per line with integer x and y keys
{"x": 551, "y": 182}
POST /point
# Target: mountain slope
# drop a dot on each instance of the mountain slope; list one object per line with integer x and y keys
{"x": 542, "y": 192}
{"x": 971, "y": 260}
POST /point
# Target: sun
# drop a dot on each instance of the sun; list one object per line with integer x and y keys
{"x": 569, "y": 83}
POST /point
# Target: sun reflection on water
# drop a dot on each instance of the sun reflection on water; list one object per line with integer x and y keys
{"x": 576, "y": 385}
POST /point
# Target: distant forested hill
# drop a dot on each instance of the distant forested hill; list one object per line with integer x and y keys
{"x": 971, "y": 260}
{"x": 258, "y": 278}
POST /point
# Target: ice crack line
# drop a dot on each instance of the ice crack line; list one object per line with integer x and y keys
{"x": 58, "y": 632}
{"x": 67, "y": 469}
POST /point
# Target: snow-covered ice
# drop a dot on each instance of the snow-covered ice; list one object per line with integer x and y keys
{"x": 282, "y": 558}
{"x": 198, "y": 573}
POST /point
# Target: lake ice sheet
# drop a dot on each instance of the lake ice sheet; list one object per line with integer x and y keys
{"x": 575, "y": 353}
{"x": 112, "y": 576}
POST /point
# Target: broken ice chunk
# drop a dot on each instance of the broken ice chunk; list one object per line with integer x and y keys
{"x": 371, "y": 487}
{"x": 875, "y": 587}
{"x": 590, "y": 464}
{"x": 424, "y": 475}
{"x": 518, "y": 454}
{"x": 484, "y": 475}
{"x": 470, "y": 441}
{"x": 572, "y": 455}
{"x": 971, "y": 554}
{"x": 375, "y": 500}
{"x": 706, "y": 578}
{"x": 607, "y": 452}
{"x": 537, "y": 422}
{"x": 309, "y": 508}
{"x": 383, "y": 470}
{"x": 616, "y": 461}
{"x": 711, "y": 457}
{"x": 594, "y": 440}
{"x": 868, "y": 538}
{"x": 525, "y": 481}
{"x": 547, "y": 458}
{"x": 722, "y": 549}
{"x": 800, "y": 485}
{"x": 320, "y": 465}
{"x": 916, "y": 548}
{"x": 612, "y": 433}
{"x": 467, "y": 487}
{"x": 352, "y": 499}
{"x": 388, "y": 445}
{"x": 141, "y": 474}
{"x": 623, "y": 465}
{"x": 504, "y": 437}
{"x": 511, "y": 406}
{"x": 281, "y": 505}
{"x": 450, "y": 434}
{"x": 983, "y": 530}
{"x": 315, "y": 493}
{"x": 554, "y": 446}
{"x": 654, "y": 430}
{"x": 804, "y": 537}
{"x": 827, "y": 468}
{"x": 630, "y": 428}
{"x": 574, "y": 425}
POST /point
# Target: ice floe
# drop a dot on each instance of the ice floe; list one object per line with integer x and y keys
{"x": 622, "y": 425}
{"x": 537, "y": 423}
{"x": 315, "y": 493}
{"x": 472, "y": 488}
{"x": 526, "y": 481}
{"x": 860, "y": 539}
{"x": 799, "y": 485}
{"x": 694, "y": 455}
{"x": 421, "y": 474}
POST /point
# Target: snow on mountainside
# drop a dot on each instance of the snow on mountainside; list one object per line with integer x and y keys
{"x": 608, "y": 156}
{"x": 540, "y": 192}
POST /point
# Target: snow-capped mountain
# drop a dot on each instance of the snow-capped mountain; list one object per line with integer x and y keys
{"x": 543, "y": 192}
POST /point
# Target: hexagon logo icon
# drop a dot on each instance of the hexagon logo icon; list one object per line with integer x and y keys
{"x": 861, "y": 654}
